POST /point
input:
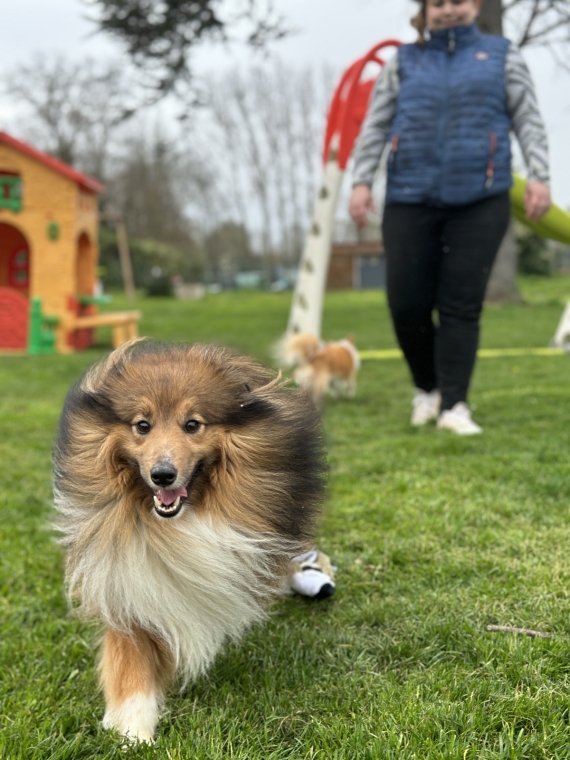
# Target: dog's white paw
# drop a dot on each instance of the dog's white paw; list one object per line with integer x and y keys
{"x": 135, "y": 718}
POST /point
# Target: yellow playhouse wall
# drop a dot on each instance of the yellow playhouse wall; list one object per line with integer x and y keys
{"x": 48, "y": 196}
{"x": 87, "y": 220}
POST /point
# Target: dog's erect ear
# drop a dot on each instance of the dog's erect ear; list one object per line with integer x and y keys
{"x": 251, "y": 407}
{"x": 116, "y": 357}
{"x": 250, "y": 375}
{"x": 96, "y": 376}
{"x": 254, "y": 404}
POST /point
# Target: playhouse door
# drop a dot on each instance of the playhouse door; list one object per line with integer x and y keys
{"x": 14, "y": 315}
{"x": 84, "y": 286}
{"x": 14, "y": 287}
{"x": 14, "y": 259}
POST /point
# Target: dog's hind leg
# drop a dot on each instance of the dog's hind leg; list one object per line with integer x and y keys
{"x": 351, "y": 388}
{"x": 134, "y": 670}
{"x": 321, "y": 384}
{"x": 315, "y": 383}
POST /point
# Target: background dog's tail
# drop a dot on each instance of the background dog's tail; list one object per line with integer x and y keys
{"x": 295, "y": 350}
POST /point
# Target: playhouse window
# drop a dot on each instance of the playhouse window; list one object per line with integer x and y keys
{"x": 10, "y": 190}
{"x": 21, "y": 259}
{"x": 19, "y": 269}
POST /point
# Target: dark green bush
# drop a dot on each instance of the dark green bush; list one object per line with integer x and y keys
{"x": 160, "y": 286}
{"x": 534, "y": 256}
{"x": 146, "y": 255}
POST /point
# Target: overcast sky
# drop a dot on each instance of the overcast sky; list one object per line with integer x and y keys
{"x": 336, "y": 32}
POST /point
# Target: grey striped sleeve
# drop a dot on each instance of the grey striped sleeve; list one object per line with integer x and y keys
{"x": 376, "y": 127}
{"x": 527, "y": 123}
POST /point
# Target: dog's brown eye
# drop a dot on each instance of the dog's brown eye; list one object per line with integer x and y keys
{"x": 192, "y": 426}
{"x": 143, "y": 427}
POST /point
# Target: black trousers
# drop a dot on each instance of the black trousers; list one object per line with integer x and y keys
{"x": 439, "y": 259}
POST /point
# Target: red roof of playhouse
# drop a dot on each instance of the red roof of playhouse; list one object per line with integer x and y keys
{"x": 87, "y": 183}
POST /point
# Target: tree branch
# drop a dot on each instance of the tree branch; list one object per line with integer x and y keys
{"x": 159, "y": 35}
{"x": 529, "y": 23}
{"x": 525, "y": 631}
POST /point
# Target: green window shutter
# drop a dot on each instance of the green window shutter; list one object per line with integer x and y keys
{"x": 10, "y": 191}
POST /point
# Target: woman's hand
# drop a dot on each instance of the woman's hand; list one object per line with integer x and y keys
{"x": 360, "y": 203}
{"x": 537, "y": 200}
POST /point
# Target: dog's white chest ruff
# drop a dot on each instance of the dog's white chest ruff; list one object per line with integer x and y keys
{"x": 205, "y": 585}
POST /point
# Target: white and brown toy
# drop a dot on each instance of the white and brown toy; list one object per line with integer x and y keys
{"x": 312, "y": 574}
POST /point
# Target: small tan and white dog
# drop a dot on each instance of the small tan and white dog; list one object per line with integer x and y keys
{"x": 321, "y": 367}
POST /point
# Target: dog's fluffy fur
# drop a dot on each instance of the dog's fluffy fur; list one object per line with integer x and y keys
{"x": 320, "y": 367}
{"x": 174, "y": 569}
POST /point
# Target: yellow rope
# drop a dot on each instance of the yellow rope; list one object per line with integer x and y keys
{"x": 483, "y": 353}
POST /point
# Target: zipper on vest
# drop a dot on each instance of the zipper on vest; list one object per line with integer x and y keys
{"x": 491, "y": 163}
{"x": 442, "y": 121}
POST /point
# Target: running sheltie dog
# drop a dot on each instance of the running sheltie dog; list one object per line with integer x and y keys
{"x": 321, "y": 366}
{"x": 186, "y": 477}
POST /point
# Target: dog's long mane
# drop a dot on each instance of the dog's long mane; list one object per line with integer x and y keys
{"x": 205, "y": 575}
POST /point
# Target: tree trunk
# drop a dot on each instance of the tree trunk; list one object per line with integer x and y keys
{"x": 502, "y": 287}
{"x": 490, "y": 20}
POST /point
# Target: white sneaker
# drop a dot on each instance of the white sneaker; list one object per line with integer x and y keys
{"x": 426, "y": 407}
{"x": 458, "y": 419}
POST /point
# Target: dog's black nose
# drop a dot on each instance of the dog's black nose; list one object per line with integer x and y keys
{"x": 163, "y": 474}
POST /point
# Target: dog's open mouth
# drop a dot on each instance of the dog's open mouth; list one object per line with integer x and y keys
{"x": 169, "y": 503}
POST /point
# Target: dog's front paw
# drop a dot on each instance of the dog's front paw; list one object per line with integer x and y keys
{"x": 135, "y": 717}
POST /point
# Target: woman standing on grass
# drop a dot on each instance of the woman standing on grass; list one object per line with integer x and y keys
{"x": 446, "y": 104}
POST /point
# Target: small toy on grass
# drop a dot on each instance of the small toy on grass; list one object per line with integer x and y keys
{"x": 312, "y": 574}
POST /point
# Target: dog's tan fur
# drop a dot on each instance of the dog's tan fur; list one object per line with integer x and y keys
{"x": 321, "y": 367}
{"x": 171, "y": 590}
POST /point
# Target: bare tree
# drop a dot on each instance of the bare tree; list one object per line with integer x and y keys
{"x": 228, "y": 250}
{"x": 74, "y": 108}
{"x": 267, "y": 125}
{"x": 543, "y": 23}
{"x": 155, "y": 179}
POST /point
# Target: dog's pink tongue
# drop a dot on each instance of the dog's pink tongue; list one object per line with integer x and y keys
{"x": 169, "y": 497}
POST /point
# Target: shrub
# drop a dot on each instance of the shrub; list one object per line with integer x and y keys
{"x": 146, "y": 255}
{"x": 534, "y": 256}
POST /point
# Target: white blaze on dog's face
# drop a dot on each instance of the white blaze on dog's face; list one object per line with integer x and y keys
{"x": 171, "y": 448}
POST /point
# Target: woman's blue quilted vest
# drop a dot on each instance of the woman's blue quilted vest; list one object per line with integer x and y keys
{"x": 450, "y": 136}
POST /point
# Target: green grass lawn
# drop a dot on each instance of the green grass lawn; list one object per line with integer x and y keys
{"x": 435, "y": 538}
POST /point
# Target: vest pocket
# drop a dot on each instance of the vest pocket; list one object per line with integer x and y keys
{"x": 490, "y": 173}
{"x": 393, "y": 150}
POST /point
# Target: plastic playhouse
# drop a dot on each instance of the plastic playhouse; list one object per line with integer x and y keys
{"x": 48, "y": 256}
